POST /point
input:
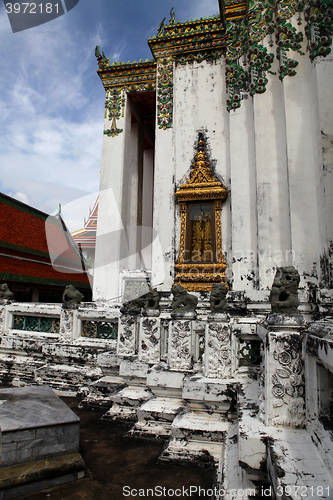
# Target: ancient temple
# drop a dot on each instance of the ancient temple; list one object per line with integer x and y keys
{"x": 249, "y": 91}
{"x": 216, "y": 180}
{"x": 211, "y": 322}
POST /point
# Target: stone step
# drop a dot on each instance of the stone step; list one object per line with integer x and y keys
{"x": 126, "y": 402}
{"x": 107, "y": 384}
{"x": 150, "y": 430}
{"x": 100, "y": 392}
{"x": 134, "y": 371}
{"x": 296, "y": 468}
{"x": 200, "y": 426}
{"x": 216, "y": 394}
{"x": 202, "y": 453}
{"x": 119, "y": 413}
{"x": 165, "y": 383}
{"x": 68, "y": 380}
{"x": 132, "y": 395}
{"x": 18, "y": 370}
{"x": 161, "y": 409}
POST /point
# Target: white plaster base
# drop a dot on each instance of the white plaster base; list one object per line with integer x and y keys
{"x": 217, "y": 363}
{"x": 194, "y": 452}
{"x": 126, "y": 402}
{"x": 127, "y": 328}
{"x": 180, "y": 345}
{"x": 155, "y": 418}
{"x": 304, "y": 474}
{"x": 149, "y": 340}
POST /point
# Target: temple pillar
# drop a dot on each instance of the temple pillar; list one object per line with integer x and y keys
{"x": 273, "y": 213}
{"x": 305, "y": 168}
{"x": 110, "y": 244}
{"x": 147, "y": 236}
{"x": 324, "y": 73}
{"x": 243, "y": 198}
{"x": 131, "y": 190}
{"x": 127, "y": 335}
{"x": 164, "y": 211}
{"x": 283, "y": 370}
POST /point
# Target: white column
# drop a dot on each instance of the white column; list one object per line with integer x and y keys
{"x": 130, "y": 194}
{"x": 147, "y": 206}
{"x": 324, "y": 70}
{"x": 109, "y": 240}
{"x": 305, "y": 165}
{"x": 127, "y": 332}
{"x": 163, "y": 216}
{"x": 243, "y": 197}
{"x": 149, "y": 339}
{"x": 199, "y": 105}
{"x": 273, "y": 213}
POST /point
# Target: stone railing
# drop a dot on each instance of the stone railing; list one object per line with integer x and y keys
{"x": 59, "y": 321}
{"x": 64, "y": 346}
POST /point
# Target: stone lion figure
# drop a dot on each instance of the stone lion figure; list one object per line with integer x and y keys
{"x": 152, "y": 299}
{"x": 284, "y": 296}
{"x": 71, "y": 295}
{"x": 131, "y": 301}
{"x": 182, "y": 300}
{"x": 5, "y": 293}
{"x": 218, "y": 301}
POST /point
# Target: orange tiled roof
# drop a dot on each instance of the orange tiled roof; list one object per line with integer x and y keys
{"x": 14, "y": 269}
{"x": 33, "y": 235}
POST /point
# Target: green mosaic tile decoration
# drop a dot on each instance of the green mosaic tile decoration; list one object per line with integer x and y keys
{"x": 100, "y": 329}
{"x": 165, "y": 94}
{"x": 241, "y": 35}
{"x": 36, "y": 324}
{"x": 115, "y": 105}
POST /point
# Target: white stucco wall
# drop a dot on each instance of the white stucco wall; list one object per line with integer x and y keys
{"x": 324, "y": 73}
{"x": 112, "y": 206}
{"x": 269, "y": 155}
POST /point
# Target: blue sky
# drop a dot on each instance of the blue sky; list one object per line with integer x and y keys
{"x": 52, "y": 101}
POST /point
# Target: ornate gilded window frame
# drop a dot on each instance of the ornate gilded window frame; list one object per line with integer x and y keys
{"x": 201, "y": 187}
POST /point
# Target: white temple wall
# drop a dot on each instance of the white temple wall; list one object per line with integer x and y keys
{"x": 243, "y": 197}
{"x": 324, "y": 72}
{"x": 110, "y": 238}
{"x": 199, "y": 105}
{"x": 130, "y": 197}
{"x": 269, "y": 155}
{"x": 163, "y": 216}
{"x": 308, "y": 219}
{"x": 147, "y": 203}
{"x": 272, "y": 182}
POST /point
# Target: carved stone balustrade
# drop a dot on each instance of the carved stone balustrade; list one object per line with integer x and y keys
{"x": 218, "y": 353}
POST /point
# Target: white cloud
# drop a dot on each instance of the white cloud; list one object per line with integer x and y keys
{"x": 21, "y": 197}
{"x": 52, "y": 101}
{"x": 51, "y": 128}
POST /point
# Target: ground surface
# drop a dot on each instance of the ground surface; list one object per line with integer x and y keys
{"x": 112, "y": 464}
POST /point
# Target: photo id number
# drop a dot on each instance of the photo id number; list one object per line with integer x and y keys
{"x": 32, "y": 8}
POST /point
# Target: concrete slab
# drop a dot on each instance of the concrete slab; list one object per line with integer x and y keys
{"x": 17, "y": 480}
{"x": 31, "y": 407}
